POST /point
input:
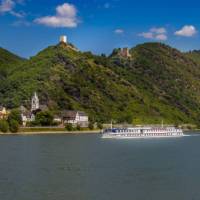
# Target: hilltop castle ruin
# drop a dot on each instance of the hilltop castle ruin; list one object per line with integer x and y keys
{"x": 64, "y": 42}
{"x": 124, "y": 52}
{"x": 63, "y": 39}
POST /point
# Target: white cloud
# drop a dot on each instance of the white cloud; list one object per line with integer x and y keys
{"x": 161, "y": 37}
{"x": 66, "y": 16}
{"x": 158, "y": 30}
{"x": 7, "y": 6}
{"x": 155, "y": 33}
{"x": 119, "y": 31}
{"x": 147, "y": 35}
{"x": 18, "y": 14}
{"x": 186, "y": 31}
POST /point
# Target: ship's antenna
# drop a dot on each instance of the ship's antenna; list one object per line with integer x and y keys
{"x": 111, "y": 125}
{"x": 162, "y": 124}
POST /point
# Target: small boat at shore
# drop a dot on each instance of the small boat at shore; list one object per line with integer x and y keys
{"x": 142, "y": 132}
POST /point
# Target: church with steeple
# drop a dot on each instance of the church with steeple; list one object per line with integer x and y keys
{"x": 29, "y": 115}
{"x": 35, "y": 103}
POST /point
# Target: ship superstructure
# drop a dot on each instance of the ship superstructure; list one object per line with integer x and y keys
{"x": 143, "y": 132}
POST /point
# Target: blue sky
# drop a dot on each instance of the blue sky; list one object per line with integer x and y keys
{"x": 28, "y": 26}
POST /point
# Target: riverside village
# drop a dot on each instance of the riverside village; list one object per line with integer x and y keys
{"x": 28, "y": 117}
{"x": 72, "y": 117}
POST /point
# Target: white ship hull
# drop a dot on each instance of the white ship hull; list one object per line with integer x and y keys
{"x": 145, "y": 132}
{"x": 138, "y": 137}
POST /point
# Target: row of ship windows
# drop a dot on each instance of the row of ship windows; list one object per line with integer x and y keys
{"x": 147, "y": 131}
{"x": 151, "y": 134}
{"x": 168, "y": 130}
{"x": 125, "y": 131}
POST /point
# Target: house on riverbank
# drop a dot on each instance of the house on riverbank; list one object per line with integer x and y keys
{"x": 75, "y": 118}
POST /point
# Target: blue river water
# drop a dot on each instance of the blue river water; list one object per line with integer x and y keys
{"x": 86, "y": 167}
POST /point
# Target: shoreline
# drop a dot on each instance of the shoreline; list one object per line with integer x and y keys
{"x": 52, "y": 133}
{"x": 83, "y": 132}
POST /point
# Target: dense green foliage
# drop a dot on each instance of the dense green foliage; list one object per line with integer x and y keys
{"x": 12, "y": 123}
{"x": 99, "y": 126}
{"x": 8, "y": 62}
{"x": 8, "y": 59}
{"x": 91, "y": 126}
{"x": 44, "y": 118}
{"x": 157, "y": 83}
{"x": 4, "y": 127}
{"x": 13, "y": 126}
{"x": 15, "y": 115}
{"x": 194, "y": 55}
{"x": 69, "y": 127}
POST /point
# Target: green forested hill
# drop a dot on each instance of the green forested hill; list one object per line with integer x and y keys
{"x": 157, "y": 83}
{"x": 168, "y": 79}
{"x": 194, "y": 55}
{"x": 7, "y": 57}
{"x": 8, "y": 61}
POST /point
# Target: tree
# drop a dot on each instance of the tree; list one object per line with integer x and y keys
{"x": 125, "y": 119}
{"x": 91, "y": 126}
{"x": 69, "y": 127}
{"x": 44, "y": 118}
{"x": 99, "y": 125}
{"x": 78, "y": 127}
{"x": 14, "y": 126}
{"x": 15, "y": 115}
{"x": 4, "y": 126}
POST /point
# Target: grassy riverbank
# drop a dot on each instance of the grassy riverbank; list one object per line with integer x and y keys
{"x": 50, "y": 130}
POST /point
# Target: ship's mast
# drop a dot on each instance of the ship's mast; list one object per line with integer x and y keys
{"x": 162, "y": 124}
{"x": 111, "y": 125}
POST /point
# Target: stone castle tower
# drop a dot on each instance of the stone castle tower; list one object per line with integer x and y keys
{"x": 125, "y": 53}
{"x": 35, "y": 103}
{"x": 63, "y": 39}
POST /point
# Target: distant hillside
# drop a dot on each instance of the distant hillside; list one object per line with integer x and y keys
{"x": 158, "y": 82}
{"x": 8, "y": 61}
{"x": 167, "y": 78}
{"x": 6, "y": 56}
{"x": 194, "y": 55}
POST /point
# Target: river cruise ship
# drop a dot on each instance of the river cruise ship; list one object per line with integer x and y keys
{"x": 143, "y": 132}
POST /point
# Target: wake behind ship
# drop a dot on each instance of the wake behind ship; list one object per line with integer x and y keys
{"x": 144, "y": 132}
